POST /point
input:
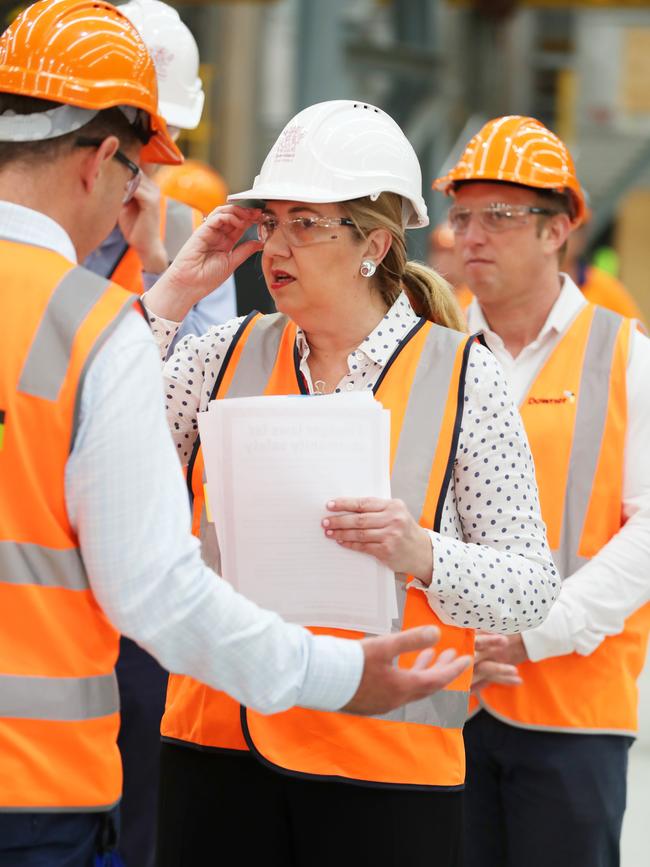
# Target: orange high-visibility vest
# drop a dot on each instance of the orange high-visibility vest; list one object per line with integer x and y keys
{"x": 59, "y": 708}
{"x": 177, "y": 222}
{"x": 423, "y": 386}
{"x": 575, "y": 416}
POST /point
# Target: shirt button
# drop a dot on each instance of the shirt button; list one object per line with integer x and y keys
{"x": 350, "y": 386}
{"x": 358, "y": 354}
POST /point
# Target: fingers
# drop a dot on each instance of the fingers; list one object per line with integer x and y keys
{"x": 483, "y": 641}
{"x": 357, "y": 504}
{"x": 490, "y": 671}
{"x": 245, "y": 251}
{"x": 441, "y": 673}
{"x": 419, "y": 638}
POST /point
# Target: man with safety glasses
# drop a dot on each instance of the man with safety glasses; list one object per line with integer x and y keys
{"x": 556, "y": 707}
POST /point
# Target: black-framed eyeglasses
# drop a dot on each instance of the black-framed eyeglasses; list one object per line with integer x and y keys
{"x": 136, "y": 173}
{"x": 495, "y": 217}
{"x": 301, "y": 231}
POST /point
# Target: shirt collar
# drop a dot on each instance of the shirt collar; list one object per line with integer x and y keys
{"x": 26, "y": 226}
{"x": 382, "y": 342}
{"x": 568, "y": 304}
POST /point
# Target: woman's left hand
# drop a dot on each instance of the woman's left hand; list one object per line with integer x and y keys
{"x": 383, "y": 528}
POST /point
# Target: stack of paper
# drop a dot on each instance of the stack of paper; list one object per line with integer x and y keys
{"x": 272, "y": 464}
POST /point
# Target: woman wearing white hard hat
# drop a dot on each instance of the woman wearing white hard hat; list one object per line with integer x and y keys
{"x": 335, "y": 195}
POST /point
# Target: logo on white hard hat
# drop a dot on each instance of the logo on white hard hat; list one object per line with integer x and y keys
{"x": 163, "y": 59}
{"x": 290, "y": 138}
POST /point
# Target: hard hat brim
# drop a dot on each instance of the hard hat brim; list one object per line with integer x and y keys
{"x": 417, "y": 219}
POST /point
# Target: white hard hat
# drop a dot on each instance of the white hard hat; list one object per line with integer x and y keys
{"x": 340, "y": 150}
{"x": 176, "y": 55}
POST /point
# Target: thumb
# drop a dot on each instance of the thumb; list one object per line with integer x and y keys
{"x": 244, "y": 251}
{"x": 414, "y": 639}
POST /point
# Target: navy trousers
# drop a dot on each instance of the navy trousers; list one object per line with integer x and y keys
{"x": 536, "y": 798}
{"x": 143, "y": 684}
{"x": 55, "y": 839}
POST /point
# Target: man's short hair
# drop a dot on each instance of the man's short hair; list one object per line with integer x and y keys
{"x": 109, "y": 121}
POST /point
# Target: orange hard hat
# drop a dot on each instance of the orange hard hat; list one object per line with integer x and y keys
{"x": 518, "y": 150}
{"x": 87, "y": 54}
{"x": 195, "y": 183}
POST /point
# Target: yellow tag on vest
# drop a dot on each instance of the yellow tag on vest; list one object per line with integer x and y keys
{"x": 208, "y": 511}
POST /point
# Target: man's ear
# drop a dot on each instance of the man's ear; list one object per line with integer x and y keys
{"x": 556, "y": 231}
{"x": 94, "y": 160}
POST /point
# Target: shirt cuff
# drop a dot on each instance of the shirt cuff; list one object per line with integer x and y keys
{"x": 553, "y": 638}
{"x": 333, "y": 672}
{"x": 163, "y": 330}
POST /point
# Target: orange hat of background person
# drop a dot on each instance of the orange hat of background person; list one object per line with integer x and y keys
{"x": 195, "y": 183}
{"x": 518, "y": 150}
{"x": 87, "y": 54}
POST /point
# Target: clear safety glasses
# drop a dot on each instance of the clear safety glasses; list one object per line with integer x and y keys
{"x": 496, "y": 217}
{"x": 133, "y": 182}
{"x": 301, "y": 231}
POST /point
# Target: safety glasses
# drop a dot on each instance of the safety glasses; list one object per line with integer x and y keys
{"x": 496, "y": 217}
{"x": 133, "y": 182}
{"x": 302, "y": 231}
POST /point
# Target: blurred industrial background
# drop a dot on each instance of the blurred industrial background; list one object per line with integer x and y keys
{"x": 442, "y": 67}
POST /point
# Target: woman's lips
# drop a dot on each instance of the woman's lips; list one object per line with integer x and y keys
{"x": 280, "y": 279}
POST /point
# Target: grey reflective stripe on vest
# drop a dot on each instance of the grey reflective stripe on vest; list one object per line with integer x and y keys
{"x": 49, "y": 355}
{"x": 27, "y": 563}
{"x": 258, "y": 357}
{"x": 62, "y": 699}
{"x": 591, "y": 416}
{"x": 446, "y": 709}
{"x": 421, "y": 429}
{"x": 179, "y": 225}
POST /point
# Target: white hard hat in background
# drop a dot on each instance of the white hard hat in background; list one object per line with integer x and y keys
{"x": 176, "y": 55}
{"x": 340, "y": 150}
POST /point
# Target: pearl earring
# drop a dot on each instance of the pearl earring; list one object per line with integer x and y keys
{"x": 367, "y": 268}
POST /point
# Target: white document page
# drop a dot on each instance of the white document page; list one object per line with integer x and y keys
{"x": 272, "y": 464}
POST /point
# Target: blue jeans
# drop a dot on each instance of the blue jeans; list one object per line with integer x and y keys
{"x": 55, "y": 839}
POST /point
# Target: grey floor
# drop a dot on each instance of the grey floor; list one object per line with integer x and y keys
{"x": 636, "y": 827}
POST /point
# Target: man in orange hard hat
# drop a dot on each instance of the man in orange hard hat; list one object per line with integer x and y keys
{"x": 557, "y": 706}
{"x": 94, "y": 522}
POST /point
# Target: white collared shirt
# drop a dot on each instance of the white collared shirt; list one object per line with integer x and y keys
{"x": 595, "y": 601}
{"x": 492, "y": 567}
{"x": 126, "y": 500}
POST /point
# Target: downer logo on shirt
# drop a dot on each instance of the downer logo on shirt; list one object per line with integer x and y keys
{"x": 567, "y": 397}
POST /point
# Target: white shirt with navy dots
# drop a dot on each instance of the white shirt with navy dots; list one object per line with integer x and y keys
{"x": 492, "y": 566}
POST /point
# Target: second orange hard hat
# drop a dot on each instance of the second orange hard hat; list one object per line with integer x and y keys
{"x": 85, "y": 54}
{"x": 194, "y": 183}
{"x": 518, "y": 150}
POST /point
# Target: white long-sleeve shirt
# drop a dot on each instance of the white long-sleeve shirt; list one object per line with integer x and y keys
{"x": 595, "y": 601}
{"x": 126, "y": 500}
{"x": 492, "y": 566}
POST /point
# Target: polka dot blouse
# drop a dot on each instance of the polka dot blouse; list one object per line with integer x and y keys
{"x": 492, "y": 566}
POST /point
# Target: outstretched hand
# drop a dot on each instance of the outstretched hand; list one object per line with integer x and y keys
{"x": 384, "y": 686}
{"x": 204, "y": 262}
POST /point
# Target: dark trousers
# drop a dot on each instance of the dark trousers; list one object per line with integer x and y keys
{"x": 216, "y": 803}
{"x": 535, "y": 798}
{"x": 142, "y": 683}
{"x": 55, "y": 839}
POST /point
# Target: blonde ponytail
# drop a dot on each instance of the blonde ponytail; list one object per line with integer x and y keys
{"x": 429, "y": 294}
